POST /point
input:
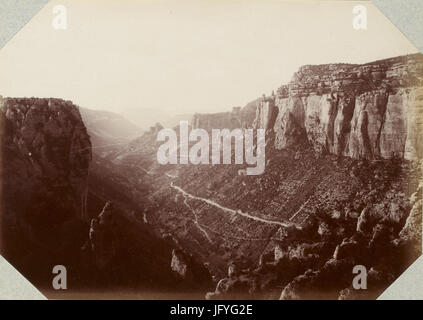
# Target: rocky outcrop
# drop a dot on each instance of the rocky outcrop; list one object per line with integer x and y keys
{"x": 45, "y": 154}
{"x": 237, "y": 118}
{"x": 103, "y": 241}
{"x": 190, "y": 272}
{"x": 350, "y": 211}
{"x": 265, "y": 113}
{"x": 367, "y": 111}
{"x": 122, "y": 252}
{"x": 412, "y": 230}
{"x": 178, "y": 264}
{"x": 47, "y": 144}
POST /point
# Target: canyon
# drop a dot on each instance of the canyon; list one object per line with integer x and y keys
{"x": 342, "y": 186}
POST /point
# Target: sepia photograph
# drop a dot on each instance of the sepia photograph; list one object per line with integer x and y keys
{"x": 211, "y": 150}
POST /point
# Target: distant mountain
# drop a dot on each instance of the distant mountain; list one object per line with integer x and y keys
{"x": 108, "y": 130}
{"x": 173, "y": 121}
{"x": 145, "y": 118}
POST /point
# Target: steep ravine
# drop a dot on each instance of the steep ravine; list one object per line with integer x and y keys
{"x": 56, "y": 209}
{"x": 342, "y": 186}
{"x": 343, "y": 140}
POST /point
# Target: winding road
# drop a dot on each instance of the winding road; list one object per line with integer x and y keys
{"x": 225, "y": 209}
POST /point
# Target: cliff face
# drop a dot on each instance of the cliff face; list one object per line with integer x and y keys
{"x": 367, "y": 111}
{"x": 50, "y": 211}
{"x": 45, "y": 153}
{"x": 47, "y": 143}
{"x": 237, "y": 118}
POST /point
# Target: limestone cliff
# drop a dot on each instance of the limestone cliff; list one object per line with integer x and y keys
{"x": 374, "y": 110}
{"x": 46, "y": 142}
{"x": 237, "y": 118}
{"x": 45, "y": 154}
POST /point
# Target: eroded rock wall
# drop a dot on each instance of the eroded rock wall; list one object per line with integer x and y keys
{"x": 363, "y": 111}
{"x": 45, "y": 155}
{"x": 46, "y": 142}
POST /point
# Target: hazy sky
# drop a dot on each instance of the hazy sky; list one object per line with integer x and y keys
{"x": 141, "y": 58}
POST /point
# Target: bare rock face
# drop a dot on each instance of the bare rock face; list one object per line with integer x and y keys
{"x": 363, "y": 220}
{"x": 363, "y": 111}
{"x": 223, "y": 120}
{"x": 278, "y": 253}
{"x": 265, "y": 114}
{"x": 50, "y": 145}
{"x": 103, "y": 240}
{"x": 413, "y": 225}
{"x": 46, "y": 152}
{"x": 189, "y": 271}
{"x": 289, "y": 124}
{"x": 178, "y": 264}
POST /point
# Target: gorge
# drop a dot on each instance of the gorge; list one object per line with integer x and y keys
{"x": 342, "y": 186}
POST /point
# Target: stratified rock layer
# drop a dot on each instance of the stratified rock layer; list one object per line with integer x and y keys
{"x": 237, "y": 118}
{"x": 367, "y": 111}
